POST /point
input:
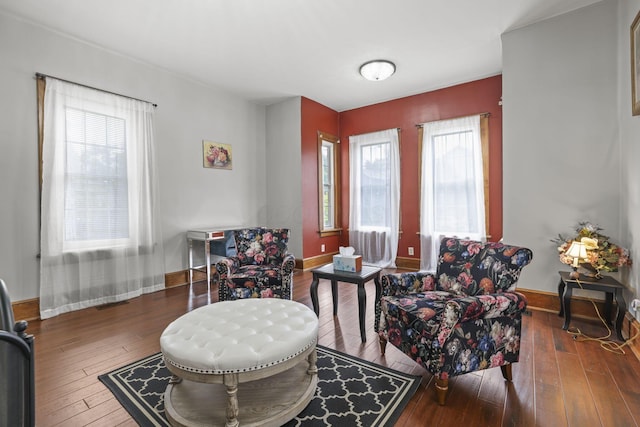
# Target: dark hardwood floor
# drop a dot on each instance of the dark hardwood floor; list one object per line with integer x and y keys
{"x": 558, "y": 381}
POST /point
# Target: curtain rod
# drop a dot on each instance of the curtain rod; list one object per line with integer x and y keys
{"x": 42, "y": 76}
{"x": 419, "y": 125}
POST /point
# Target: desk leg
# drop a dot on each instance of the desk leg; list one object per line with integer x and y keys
{"x": 622, "y": 309}
{"x": 334, "y": 294}
{"x": 567, "y": 307}
{"x": 362, "y": 306}
{"x": 560, "y": 294}
{"x": 207, "y": 256}
{"x": 190, "y": 243}
{"x": 314, "y": 295}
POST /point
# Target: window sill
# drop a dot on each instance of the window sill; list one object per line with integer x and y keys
{"x": 332, "y": 232}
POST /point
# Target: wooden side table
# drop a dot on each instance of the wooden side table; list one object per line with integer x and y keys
{"x": 610, "y": 286}
{"x": 358, "y": 278}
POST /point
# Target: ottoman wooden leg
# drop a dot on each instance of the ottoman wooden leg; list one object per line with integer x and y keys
{"x": 313, "y": 359}
{"x": 231, "y": 383}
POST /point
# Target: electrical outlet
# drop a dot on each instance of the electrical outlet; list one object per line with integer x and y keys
{"x": 322, "y": 248}
{"x": 635, "y": 304}
{"x": 410, "y": 250}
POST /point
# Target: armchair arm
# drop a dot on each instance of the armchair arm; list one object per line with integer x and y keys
{"x": 397, "y": 284}
{"x": 288, "y": 265}
{"x": 227, "y": 266}
{"x": 476, "y": 307}
{"x": 407, "y": 283}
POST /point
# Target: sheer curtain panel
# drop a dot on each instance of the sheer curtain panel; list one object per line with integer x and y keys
{"x": 374, "y": 208}
{"x": 100, "y": 232}
{"x": 452, "y": 185}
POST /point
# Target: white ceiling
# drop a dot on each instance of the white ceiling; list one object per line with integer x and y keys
{"x": 269, "y": 50}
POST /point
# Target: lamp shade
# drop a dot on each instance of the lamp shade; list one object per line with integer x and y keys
{"x": 577, "y": 251}
{"x": 377, "y": 70}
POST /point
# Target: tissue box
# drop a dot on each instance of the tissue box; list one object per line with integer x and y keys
{"x": 351, "y": 263}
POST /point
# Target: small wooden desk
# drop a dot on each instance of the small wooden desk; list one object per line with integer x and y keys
{"x": 358, "y": 278}
{"x": 207, "y": 236}
{"x": 610, "y": 286}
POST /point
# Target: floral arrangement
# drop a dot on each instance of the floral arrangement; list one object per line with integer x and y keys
{"x": 602, "y": 255}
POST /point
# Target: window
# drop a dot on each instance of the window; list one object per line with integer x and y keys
{"x": 100, "y": 240}
{"x": 374, "y": 185}
{"x": 96, "y": 184}
{"x": 328, "y": 184}
{"x": 453, "y": 196}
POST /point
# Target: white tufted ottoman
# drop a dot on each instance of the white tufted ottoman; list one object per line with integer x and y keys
{"x": 248, "y": 362}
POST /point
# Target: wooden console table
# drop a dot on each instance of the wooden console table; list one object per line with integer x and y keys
{"x": 610, "y": 286}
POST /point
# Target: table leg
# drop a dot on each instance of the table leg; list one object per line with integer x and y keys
{"x": 622, "y": 309}
{"x": 190, "y": 242}
{"x": 560, "y": 294}
{"x": 567, "y": 307}
{"x": 334, "y": 294}
{"x": 608, "y": 303}
{"x": 314, "y": 295}
{"x": 207, "y": 256}
{"x": 362, "y": 305}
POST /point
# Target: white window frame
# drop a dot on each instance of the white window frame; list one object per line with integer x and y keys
{"x": 331, "y": 206}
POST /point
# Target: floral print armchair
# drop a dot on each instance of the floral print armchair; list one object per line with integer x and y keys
{"x": 465, "y": 318}
{"x": 262, "y": 267}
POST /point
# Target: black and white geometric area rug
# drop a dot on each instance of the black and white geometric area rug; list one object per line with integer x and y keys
{"x": 350, "y": 392}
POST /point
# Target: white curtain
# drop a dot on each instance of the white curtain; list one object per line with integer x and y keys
{"x": 374, "y": 209}
{"x": 79, "y": 266}
{"x": 452, "y": 185}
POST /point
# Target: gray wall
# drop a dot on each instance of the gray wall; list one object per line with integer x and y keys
{"x": 284, "y": 157}
{"x": 561, "y": 141}
{"x": 630, "y": 145}
{"x": 188, "y": 112}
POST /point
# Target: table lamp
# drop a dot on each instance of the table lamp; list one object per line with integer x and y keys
{"x": 577, "y": 251}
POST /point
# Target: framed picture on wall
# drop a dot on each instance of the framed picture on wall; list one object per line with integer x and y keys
{"x": 216, "y": 155}
{"x": 635, "y": 65}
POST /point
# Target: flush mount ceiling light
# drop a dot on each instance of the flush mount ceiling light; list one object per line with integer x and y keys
{"x": 377, "y": 70}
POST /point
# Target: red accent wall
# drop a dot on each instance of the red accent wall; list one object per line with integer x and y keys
{"x": 481, "y": 96}
{"x": 314, "y": 117}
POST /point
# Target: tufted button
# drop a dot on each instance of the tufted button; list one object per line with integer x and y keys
{"x": 239, "y": 336}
